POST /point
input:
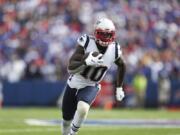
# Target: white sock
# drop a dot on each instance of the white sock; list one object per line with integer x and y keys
{"x": 77, "y": 121}
{"x": 79, "y": 117}
{"x": 66, "y": 126}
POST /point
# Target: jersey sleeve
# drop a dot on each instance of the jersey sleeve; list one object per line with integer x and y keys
{"x": 118, "y": 51}
{"x": 83, "y": 41}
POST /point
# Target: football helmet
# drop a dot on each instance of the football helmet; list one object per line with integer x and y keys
{"x": 104, "y": 31}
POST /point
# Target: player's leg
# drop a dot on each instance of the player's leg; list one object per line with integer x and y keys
{"x": 85, "y": 97}
{"x": 79, "y": 117}
{"x": 69, "y": 105}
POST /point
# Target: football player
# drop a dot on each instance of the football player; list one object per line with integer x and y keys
{"x": 87, "y": 66}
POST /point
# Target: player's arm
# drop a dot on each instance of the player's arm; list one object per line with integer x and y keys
{"x": 120, "y": 77}
{"x": 120, "y": 71}
{"x": 77, "y": 60}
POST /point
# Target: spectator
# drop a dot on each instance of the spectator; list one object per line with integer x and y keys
{"x": 41, "y": 30}
{"x": 140, "y": 85}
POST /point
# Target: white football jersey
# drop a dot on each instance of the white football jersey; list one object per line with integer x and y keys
{"x": 91, "y": 76}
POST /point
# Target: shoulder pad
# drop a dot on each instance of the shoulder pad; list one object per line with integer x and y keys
{"x": 83, "y": 40}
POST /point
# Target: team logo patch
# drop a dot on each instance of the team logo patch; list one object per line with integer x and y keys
{"x": 81, "y": 39}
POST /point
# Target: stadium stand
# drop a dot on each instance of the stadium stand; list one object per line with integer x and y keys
{"x": 38, "y": 36}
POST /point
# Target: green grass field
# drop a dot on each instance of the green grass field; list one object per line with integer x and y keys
{"x": 12, "y": 122}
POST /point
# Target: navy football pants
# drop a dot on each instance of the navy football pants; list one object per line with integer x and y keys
{"x": 72, "y": 96}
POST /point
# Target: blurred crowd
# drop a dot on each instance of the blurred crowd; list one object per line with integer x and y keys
{"x": 38, "y": 36}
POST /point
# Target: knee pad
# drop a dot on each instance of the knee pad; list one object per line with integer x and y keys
{"x": 83, "y": 108}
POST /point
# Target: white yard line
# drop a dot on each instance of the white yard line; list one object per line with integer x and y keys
{"x": 29, "y": 130}
{"x": 38, "y": 130}
{"x": 112, "y": 122}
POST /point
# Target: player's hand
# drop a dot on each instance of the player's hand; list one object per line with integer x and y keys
{"x": 119, "y": 94}
{"x": 94, "y": 60}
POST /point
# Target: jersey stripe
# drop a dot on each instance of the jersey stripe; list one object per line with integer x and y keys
{"x": 87, "y": 42}
{"x": 116, "y": 50}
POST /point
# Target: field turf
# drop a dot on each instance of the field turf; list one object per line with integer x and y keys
{"x": 12, "y": 122}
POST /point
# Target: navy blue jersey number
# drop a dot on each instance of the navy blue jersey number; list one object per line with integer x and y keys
{"x": 93, "y": 73}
